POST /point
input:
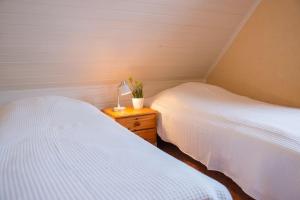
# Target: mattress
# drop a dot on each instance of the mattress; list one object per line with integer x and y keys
{"x": 255, "y": 143}
{"x": 59, "y": 148}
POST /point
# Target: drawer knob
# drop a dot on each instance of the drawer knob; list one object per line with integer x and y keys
{"x": 136, "y": 124}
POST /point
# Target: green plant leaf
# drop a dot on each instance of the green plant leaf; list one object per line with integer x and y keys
{"x": 136, "y": 88}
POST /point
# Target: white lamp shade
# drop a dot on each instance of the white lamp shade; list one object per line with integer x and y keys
{"x": 124, "y": 88}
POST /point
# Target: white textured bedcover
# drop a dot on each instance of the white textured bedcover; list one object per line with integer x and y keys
{"x": 57, "y": 148}
{"x": 254, "y": 143}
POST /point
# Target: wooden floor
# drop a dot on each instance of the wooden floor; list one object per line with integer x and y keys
{"x": 236, "y": 192}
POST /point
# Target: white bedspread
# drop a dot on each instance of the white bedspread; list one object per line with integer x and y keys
{"x": 57, "y": 148}
{"x": 255, "y": 143}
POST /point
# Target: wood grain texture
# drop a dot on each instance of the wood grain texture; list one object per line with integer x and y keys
{"x": 128, "y": 112}
{"x": 149, "y": 135}
{"x": 138, "y": 122}
{"x": 142, "y": 121}
{"x": 66, "y": 43}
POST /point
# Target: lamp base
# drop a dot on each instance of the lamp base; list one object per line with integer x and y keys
{"x": 119, "y": 108}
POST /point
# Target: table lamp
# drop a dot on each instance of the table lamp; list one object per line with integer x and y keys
{"x": 123, "y": 89}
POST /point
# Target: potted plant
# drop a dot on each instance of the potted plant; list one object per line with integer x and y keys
{"x": 137, "y": 93}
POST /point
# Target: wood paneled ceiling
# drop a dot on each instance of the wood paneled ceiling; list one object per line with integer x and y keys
{"x": 72, "y": 42}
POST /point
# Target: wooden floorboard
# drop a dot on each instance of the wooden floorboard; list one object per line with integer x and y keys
{"x": 236, "y": 192}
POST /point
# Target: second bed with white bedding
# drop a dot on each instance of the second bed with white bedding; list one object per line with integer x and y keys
{"x": 256, "y": 144}
{"x": 57, "y": 148}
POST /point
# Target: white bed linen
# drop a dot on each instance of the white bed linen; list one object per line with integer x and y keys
{"x": 57, "y": 148}
{"x": 256, "y": 144}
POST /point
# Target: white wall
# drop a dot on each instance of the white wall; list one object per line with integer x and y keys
{"x": 101, "y": 96}
{"x": 69, "y": 43}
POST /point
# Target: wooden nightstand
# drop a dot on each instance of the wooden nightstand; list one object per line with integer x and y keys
{"x": 142, "y": 122}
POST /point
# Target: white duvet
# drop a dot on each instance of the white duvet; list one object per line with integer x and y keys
{"x": 255, "y": 143}
{"x": 58, "y": 148}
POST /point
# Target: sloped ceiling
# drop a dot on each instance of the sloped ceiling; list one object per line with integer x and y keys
{"x": 74, "y": 42}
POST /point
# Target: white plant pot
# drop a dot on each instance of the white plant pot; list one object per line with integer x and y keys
{"x": 138, "y": 103}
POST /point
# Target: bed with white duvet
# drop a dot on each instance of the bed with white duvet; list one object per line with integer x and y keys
{"x": 57, "y": 148}
{"x": 255, "y": 143}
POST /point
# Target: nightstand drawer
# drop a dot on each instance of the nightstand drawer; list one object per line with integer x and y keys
{"x": 149, "y": 135}
{"x": 138, "y": 122}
